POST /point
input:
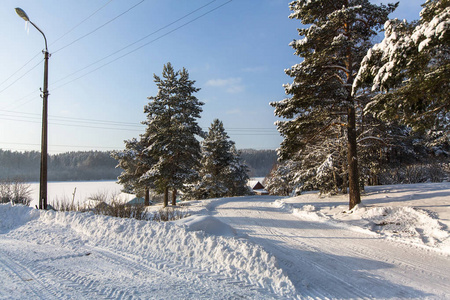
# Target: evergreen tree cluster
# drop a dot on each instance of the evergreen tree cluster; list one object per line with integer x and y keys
{"x": 169, "y": 155}
{"x": 222, "y": 174}
{"x": 355, "y": 109}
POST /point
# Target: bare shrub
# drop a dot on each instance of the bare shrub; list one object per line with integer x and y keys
{"x": 169, "y": 214}
{"x": 101, "y": 203}
{"x": 101, "y": 196}
{"x": 15, "y": 191}
{"x": 418, "y": 173}
{"x": 66, "y": 205}
{"x": 439, "y": 172}
{"x": 122, "y": 210}
{"x": 112, "y": 205}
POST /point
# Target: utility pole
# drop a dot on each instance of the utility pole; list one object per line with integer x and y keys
{"x": 44, "y": 140}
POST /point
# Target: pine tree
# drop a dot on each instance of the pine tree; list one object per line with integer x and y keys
{"x": 222, "y": 172}
{"x": 322, "y": 103}
{"x": 410, "y": 69}
{"x": 172, "y": 128}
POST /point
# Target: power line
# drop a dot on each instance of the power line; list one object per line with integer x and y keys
{"x": 19, "y": 101}
{"x": 162, "y": 28}
{"x": 29, "y": 61}
{"x": 146, "y": 44}
{"x": 30, "y": 120}
{"x": 23, "y": 75}
{"x": 106, "y": 122}
{"x": 69, "y": 119}
{"x": 99, "y": 27}
{"x": 52, "y": 145}
{"x": 3, "y": 82}
{"x": 84, "y": 20}
{"x": 70, "y": 146}
{"x": 133, "y": 127}
{"x": 132, "y": 44}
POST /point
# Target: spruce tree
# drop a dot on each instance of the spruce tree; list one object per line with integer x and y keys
{"x": 321, "y": 102}
{"x": 221, "y": 172}
{"x": 237, "y": 174}
{"x": 171, "y": 133}
{"x": 279, "y": 180}
{"x": 135, "y": 162}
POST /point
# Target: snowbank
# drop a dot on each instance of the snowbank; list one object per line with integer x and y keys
{"x": 12, "y": 217}
{"x": 409, "y": 214}
{"x": 406, "y": 223}
{"x": 207, "y": 224}
{"x": 171, "y": 243}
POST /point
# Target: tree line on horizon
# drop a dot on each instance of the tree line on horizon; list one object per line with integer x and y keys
{"x": 98, "y": 165}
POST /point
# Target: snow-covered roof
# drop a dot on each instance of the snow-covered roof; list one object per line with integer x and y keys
{"x": 255, "y": 185}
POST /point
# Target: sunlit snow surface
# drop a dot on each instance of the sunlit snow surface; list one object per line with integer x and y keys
{"x": 394, "y": 245}
{"x": 417, "y": 214}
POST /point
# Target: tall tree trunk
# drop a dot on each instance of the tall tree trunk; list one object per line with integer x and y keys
{"x": 174, "y": 197}
{"x": 352, "y": 157}
{"x": 344, "y": 170}
{"x": 166, "y": 197}
{"x": 147, "y": 197}
{"x": 353, "y": 176}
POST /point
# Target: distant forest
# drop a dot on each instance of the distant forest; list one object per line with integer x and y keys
{"x": 99, "y": 165}
{"x": 259, "y": 162}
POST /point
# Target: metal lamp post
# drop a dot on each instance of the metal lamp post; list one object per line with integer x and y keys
{"x": 44, "y": 140}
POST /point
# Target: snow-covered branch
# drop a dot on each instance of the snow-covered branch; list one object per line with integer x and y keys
{"x": 339, "y": 68}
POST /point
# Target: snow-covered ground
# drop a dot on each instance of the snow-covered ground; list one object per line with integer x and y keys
{"x": 77, "y": 191}
{"x": 394, "y": 245}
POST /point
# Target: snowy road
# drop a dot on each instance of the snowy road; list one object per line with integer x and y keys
{"x": 324, "y": 261}
{"x": 78, "y": 256}
{"x": 52, "y": 272}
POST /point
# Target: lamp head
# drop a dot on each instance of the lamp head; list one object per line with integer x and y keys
{"x": 22, "y": 14}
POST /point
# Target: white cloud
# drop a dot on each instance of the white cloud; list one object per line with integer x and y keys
{"x": 231, "y": 85}
{"x": 236, "y": 111}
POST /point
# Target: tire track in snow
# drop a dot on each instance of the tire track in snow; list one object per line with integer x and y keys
{"x": 324, "y": 261}
{"x": 404, "y": 263}
{"x": 58, "y": 259}
{"x": 85, "y": 287}
{"x": 33, "y": 286}
{"x": 421, "y": 268}
{"x": 284, "y": 253}
{"x": 183, "y": 273}
{"x": 308, "y": 263}
{"x": 338, "y": 276}
{"x": 289, "y": 258}
{"x": 59, "y": 281}
{"x": 49, "y": 282}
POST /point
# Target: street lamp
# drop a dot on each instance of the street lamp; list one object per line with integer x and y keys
{"x": 44, "y": 140}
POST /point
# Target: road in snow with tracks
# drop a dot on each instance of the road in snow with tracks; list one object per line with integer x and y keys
{"x": 324, "y": 261}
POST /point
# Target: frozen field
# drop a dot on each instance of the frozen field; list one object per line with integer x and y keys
{"x": 64, "y": 190}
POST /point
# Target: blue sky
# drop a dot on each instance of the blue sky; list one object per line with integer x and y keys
{"x": 104, "y": 54}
